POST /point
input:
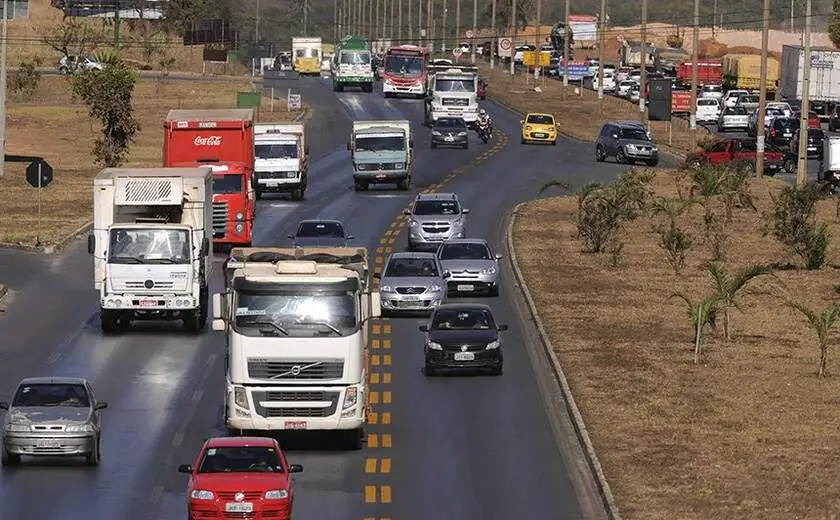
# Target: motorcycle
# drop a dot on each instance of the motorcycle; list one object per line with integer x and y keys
{"x": 485, "y": 132}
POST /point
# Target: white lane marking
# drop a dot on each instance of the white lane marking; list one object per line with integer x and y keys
{"x": 178, "y": 439}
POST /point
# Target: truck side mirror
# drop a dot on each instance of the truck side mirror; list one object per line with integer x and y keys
{"x": 375, "y": 305}
{"x": 348, "y": 146}
{"x": 411, "y": 143}
{"x": 91, "y": 243}
{"x": 306, "y": 149}
{"x": 205, "y": 246}
{"x": 219, "y": 308}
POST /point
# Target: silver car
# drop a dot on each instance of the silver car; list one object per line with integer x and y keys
{"x": 733, "y": 118}
{"x": 472, "y": 267}
{"x": 412, "y": 282}
{"x": 435, "y": 218}
{"x": 52, "y": 416}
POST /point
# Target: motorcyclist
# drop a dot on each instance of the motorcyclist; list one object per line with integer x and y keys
{"x": 484, "y": 119}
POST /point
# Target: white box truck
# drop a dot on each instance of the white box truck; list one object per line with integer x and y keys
{"x": 306, "y": 55}
{"x": 824, "y": 86}
{"x": 296, "y": 324}
{"x": 281, "y": 159}
{"x": 151, "y": 242}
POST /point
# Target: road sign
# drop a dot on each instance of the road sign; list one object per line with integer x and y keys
{"x": 505, "y": 46}
{"x": 457, "y": 52}
{"x": 293, "y": 102}
{"x": 39, "y": 173}
{"x": 470, "y": 34}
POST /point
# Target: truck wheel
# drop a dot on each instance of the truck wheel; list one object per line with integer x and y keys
{"x": 192, "y": 321}
{"x": 109, "y": 322}
{"x": 368, "y": 87}
{"x": 353, "y": 439}
{"x": 297, "y": 194}
{"x": 429, "y": 370}
{"x": 360, "y": 186}
{"x": 204, "y": 297}
{"x": 404, "y": 184}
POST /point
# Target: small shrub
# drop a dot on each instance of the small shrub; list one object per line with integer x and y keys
{"x": 813, "y": 246}
{"x": 795, "y": 226}
{"x": 672, "y": 239}
{"x": 26, "y": 80}
{"x": 735, "y": 190}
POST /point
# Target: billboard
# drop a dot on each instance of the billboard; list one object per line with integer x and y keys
{"x": 584, "y": 27}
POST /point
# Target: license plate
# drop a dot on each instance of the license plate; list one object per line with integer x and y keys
{"x": 381, "y": 176}
{"x": 539, "y": 135}
{"x": 147, "y": 303}
{"x": 464, "y": 356}
{"x": 294, "y": 425}
{"x": 239, "y": 507}
{"x": 43, "y": 443}
{"x": 450, "y": 138}
{"x": 466, "y": 288}
{"x": 411, "y": 298}
{"x": 812, "y": 148}
{"x": 788, "y": 134}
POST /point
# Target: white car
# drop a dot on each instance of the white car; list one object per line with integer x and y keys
{"x": 731, "y": 98}
{"x": 609, "y": 82}
{"x": 636, "y": 75}
{"x": 733, "y": 118}
{"x": 784, "y": 107}
{"x": 635, "y": 92}
{"x": 74, "y": 64}
{"x": 711, "y": 91}
{"x": 708, "y": 110}
{"x": 623, "y": 88}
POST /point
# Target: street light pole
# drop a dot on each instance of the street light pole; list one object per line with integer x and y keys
{"x": 602, "y": 29}
{"x": 4, "y": 54}
{"x": 643, "y": 71}
{"x": 474, "y": 30}
{"x": 762, "y": 98}
{"x": 513, "y": 38}
{"x": 494, "y": 42}
{"x": 695, "y": 54}
{"x": 458, "y": 23}
{"x": 566, "y": 50}
{"x": 802, "y": 166}
{"x": 538, "y": 51}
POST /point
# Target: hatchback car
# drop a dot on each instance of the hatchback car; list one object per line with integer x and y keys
{"x": 433, "y": 219}
{"x": 322, "y": 233}
{"x": 732, "y": 96}
{"x": 240, "y": 477}
{"x": 539, "y": 128}
{"x": 733, "y": 118}
{"x": 472, "y": 267}
{"x": 708, "y": 110}
{"x": 628, "y": 142}
{"x": 52, "y": 416}
{"x": 463, "y": 336}
{"x": 624, "y": 87}
{"x": 782, "y": 130}
{"x": 76, "y": 64}
{"x": 412, "y": 282}
{"x": 450, "y": 131}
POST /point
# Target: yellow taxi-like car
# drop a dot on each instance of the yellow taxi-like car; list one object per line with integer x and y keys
{"x": 539, "y": 128}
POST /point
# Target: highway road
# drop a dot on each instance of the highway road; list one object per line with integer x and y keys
{"x": 457, "y": 447}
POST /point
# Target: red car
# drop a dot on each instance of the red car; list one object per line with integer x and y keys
{"x": 240, "y": 477}
{"x": 813, "y": 119}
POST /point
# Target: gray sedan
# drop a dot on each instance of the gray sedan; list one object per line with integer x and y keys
{"x": 472, "y": 267}
{"x": 52, "y": 416}
{"x": 412, "y": 282}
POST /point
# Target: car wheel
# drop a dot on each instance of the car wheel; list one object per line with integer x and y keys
{"x": 109, "y": 321}
{"x": 429, "y": 371}
{"x": 404, "y": 184}
{"x": 493, "y": 291}
{"x": 497, "y": 370}
{"x": 466, "y": 146}
{"x": 554, "y": 143}
{"x": 524, "y": 141}
{"x": 297, "y": 194}
{"x": 790, "y": 165}
{"x": 360, "y": 186}
{"x": 257, "y": 194}
{"x": 620, "y": 158}
{"x": 653, "y": 162}
{"x": 10, "y": 459}
{"x": 600, "y": 153}
{"x": 95, "y": 455}
{"x": 434, "y": 145}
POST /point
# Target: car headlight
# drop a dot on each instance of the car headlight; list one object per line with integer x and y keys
{"x": 631, "y": 147}
{"x": 655, "y": 149}
{"x": 202, "y": 494}
{"x": 79, "y": 428}
{"x": 434, "y": 288}
{"x": 276, "y": 494}
{"x": 386, "y": 289}
{"x": 399, "y": 166}
{"x": 240, "y": 216}
{"x": 435, "y": 132}
{"x": 493, "y": 345}
{"x": 17, "y": 427}
{"x": 433, "y": 346}
{"x": 413, "y": 223}
{"x": 240, "y": 397}
{"x": 488, "y": 270}
{"x": 527, "y": 128}
{"x": 462, "y": 134}
{"x": 350, "y": 398}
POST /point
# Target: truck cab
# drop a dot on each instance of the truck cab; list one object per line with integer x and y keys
{"x": 381, "y": 152}
{"x": 233, "y": 202}
{"x": 453, "y": 93}
{"x": 281, "y": 160}
{"x": 352, "y": 65}
{"x": 306, "y": 55}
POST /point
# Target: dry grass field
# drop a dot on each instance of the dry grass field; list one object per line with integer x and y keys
{"x": 750, "y": 432}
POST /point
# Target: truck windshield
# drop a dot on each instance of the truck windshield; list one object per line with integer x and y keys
{"x": 404, "y": 65}
{"x": 149, "y": 246}
{"x": 380, "y": 143}
{"x": 299, "y": 315}
{"x": 455, "y": 85}
{"x": 227, "y": 184}
{"x": 355, "y": 58}
{"x": 276, "y": 151}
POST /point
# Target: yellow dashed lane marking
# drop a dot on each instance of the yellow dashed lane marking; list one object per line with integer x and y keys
{"x": 386, "y": 397}
{"x": 386, "y": 378}
{"x": 386, "y": 329}
{"x": 375, "y": 344}
{"x": 386, "y": 359}
{"x": 370, "y": 494}
{"x": 373, "y": 417}
{"x": 386, "y": 417}
{"x": 375, "y": 360}
{"x": 373, "y": 440}
{"x": 386, "y": 440}
{"x": 385, "y": 494}
{"x": 386, "y": 343}
{"x": 374, "y": 465}
{"x": 374, "y": 397}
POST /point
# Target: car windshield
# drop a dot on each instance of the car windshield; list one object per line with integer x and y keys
{"x": 634, "y": 133}
{"x": 355, "y": 58}
{"x": 380, "y": 143}
{"x": 454, "y": 85}
{"x": 786, "y": 123}
{"x": 540, "y": 120}
{"x": 245, "y": 459}
{"x": 450, "y": 122}
{"x": 276, "y": 151}
{"x": 774, "y": 112}
{"x": 463, "y": 319}
{"x": 223, "y": 184}
{"x": 736, "y": 111}
{"x": 149, "y": 246}
{"x": 296, "y": 313}
{"x": 748, "y": 99}
{"x": 465, "y": 251}
{"x": 707, "y": 103}
{"x": 411, "y": 267}
{"x": 37, "y": 395}
{"x": 712, "y": 88}
{"x": 404, "y": 65}
{"x": 436, "y": 207}
{"x": 320, "y": 229}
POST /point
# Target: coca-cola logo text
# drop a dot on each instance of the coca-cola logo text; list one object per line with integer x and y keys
{"x": 212, "y": 140}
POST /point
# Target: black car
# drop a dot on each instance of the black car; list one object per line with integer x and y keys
{"x": 450, "y": 131}
{"x": 320, "y": 233}
{"x": 463, "y": 336}
{"x": 781, "y": 131}
{"x": 815, "y": 142}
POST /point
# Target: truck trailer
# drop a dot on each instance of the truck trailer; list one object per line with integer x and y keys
{"x": 824, "y": 86}
{"x": 743, "y": 71}
{"x": 381, "y": 152}
{"x": 281, "y": 159}
{"x": 151, "y": 245}
{"x": 223, "y": 139}
{"x": 296, "y": 323}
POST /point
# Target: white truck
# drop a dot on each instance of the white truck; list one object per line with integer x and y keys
{"x": 453, "y": 92}
{"x": 306, "y": 55}
{"x": 281, "y": 159}
{"x": 151, "y": 243}
{"x": 824, "y": 84}
{"x": 296, "y": 322}
{"x": 381, "y": 152}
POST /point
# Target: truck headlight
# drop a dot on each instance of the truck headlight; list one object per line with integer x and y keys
{"x": 240, "y": 216}
{"x": 276, "y": 494}
{"x": 462, "y": 134}
{"x": 493, "y": 345}
{"x": 240, "y": 397}
{"x": 433, "y": 346}
{"x": 239, "y": 228}
{"x": 79, "y": 428}
{"x": 350, "y": 397}
{"x": 201, "y": 494}
{"x": 399, "y": 166}
{"x": 435, "y": 132}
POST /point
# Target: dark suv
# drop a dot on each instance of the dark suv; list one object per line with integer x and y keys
{"x": 628, "y": 142}
{"x": 782, "y": 130}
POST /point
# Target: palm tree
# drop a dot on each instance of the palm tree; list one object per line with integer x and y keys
{"x": 727, "y": 287}
{"x": 822, "y": 324}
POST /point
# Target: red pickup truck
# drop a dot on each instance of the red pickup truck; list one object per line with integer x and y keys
{"x": 739, "y": 149}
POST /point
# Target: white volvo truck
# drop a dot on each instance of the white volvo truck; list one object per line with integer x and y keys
{"x": 151, "y": 242}
{"x": 281, "y": 159}
{"x": 296, "y": 324}
{"x": 453, "y": 92}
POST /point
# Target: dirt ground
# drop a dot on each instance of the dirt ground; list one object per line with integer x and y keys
{"x": 748, "y": 433}
{"x": 579, "y": 115}
{"x": 57, "y": 127}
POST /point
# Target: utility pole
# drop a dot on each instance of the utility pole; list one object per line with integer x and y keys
{"x": 692, "y": 119}
{"x": 643, "y": 71}
{"x": 566, "y": 51}
{"x": 4, "y": 53}
{"x": 494, "y": 42}
{"x": 375, "y": 23}
{"x": 305, "y": 17}
{"x": 602, "y": 29}
{"x": 762, "y": 98}
{"x": 399, "y": 20}
{"x": 429, "y": 25}
{"x": 458, "y": 23}
{"x": 420, "y": 29}
{"x": 443, "y": 28}
{"x": 538, "y": 51}
{"x": 335, "y": 21}
{"x": 802, "y": 167}
{"x": 410, "y": 27}
{"x": 116, "y": 22}
{"x": 385, "y": 19}
{"x": 475, "y": 30}
{"x": 513, "y": 38}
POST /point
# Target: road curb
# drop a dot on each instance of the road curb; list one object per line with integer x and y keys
{"x": 52, "y": 248}
{"x": 571, "y": 407}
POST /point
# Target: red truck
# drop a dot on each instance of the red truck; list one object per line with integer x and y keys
{"x": 223, "y": 139}
{"x": 709, "y": 72}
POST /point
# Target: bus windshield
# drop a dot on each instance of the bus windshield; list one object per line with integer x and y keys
{"x": 404, "y": 65}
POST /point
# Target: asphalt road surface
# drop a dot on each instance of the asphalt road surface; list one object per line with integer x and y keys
{"x": 459, "y": 447}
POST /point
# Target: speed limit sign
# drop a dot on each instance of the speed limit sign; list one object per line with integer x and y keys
{"x": 470, "y": 34}
{"x": 505, "y": 46}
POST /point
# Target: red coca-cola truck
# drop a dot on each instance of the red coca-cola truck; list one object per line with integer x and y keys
{"x": 709, "y": 72}
{"x": 223, "y": 139}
